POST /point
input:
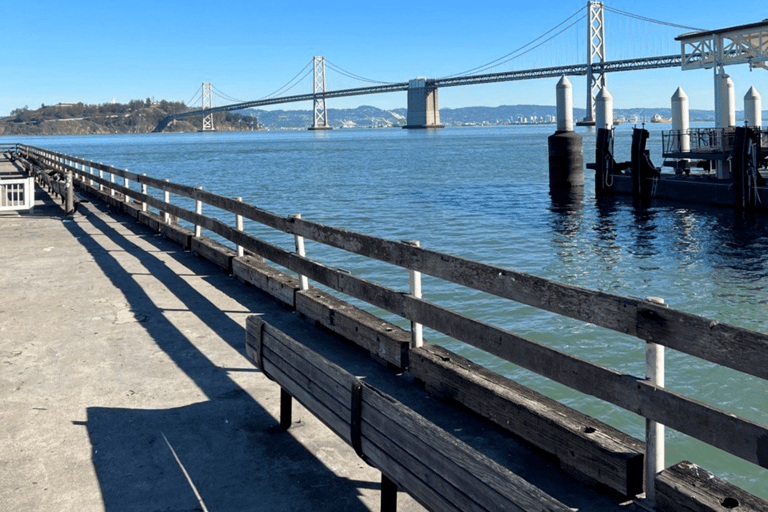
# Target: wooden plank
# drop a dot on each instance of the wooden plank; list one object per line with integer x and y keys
{"x": 214, "y": 252}
{"x": 321, "y": 386}
{"x": 383, "y": 339}
{"x": 132, "y": 209}
{"x": 252, "y": 270}
{"x": 583, "y": 445}
{"x": 483, "y": 480}
{"x": 178, "y": 234}
{"x": 427, "y": 492}
{"x": 150, "y": 219}
{"x": 686, "y": 487}
{"x": 727, "y": 345}
{"x": 342, "y": 377}
{"x": 338, "y": 425}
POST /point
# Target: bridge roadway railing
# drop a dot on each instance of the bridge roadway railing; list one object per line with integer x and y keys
{"x": 654, "y": 324}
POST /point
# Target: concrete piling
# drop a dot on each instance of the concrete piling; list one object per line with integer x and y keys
{"x": 566, "y": 161}
{"x": 681, "y": 124}
{"x": 753, "y": 108}
{"x": 604, "y": 109}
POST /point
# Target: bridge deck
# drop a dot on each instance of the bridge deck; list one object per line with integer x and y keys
{"x": 126, "y": 386}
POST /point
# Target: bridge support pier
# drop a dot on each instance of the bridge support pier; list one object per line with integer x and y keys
{"x": 423, "y": 109}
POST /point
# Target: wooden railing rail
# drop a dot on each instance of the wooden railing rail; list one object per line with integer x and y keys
{"x": 723, "y": 344}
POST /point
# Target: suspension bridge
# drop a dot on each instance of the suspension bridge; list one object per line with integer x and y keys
{"x": 423, "y": 109}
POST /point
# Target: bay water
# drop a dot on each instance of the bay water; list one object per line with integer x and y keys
{"x": 482, "y": 193}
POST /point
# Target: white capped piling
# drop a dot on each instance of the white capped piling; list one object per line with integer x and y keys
{"x": 604, "y": 109}
{"x": 566, "y": 161}
{"x": 727, "y": 117}
{"x": 753, "y": 108}
{"x": 681, "y": 120}
{"x": 564, "y": 105}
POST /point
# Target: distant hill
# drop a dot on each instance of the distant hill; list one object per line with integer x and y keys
{"x": 367, "y": 116}
{"x": 135, "y": 117}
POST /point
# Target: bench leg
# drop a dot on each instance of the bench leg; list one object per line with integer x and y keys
{"x": 388, "y": 495}
{"x": 286, "y": 409}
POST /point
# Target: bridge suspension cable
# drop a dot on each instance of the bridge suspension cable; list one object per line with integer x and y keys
{"x": 225, "y": 96}
{"x": 512, "y": 55}
{"x": 353, "y": 76}
{"x": 286, "y": 88}
{"x": 194, "y": 97}
{"x": 650, "y": 20}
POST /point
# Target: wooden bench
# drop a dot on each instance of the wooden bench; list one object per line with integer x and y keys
{"x": 440, "y": 471}
{"x": 586, "y": 448}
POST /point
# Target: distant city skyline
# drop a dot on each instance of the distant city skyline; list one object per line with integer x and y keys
{"x": 83, "y": 52}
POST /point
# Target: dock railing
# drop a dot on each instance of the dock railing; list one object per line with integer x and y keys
{"x": 706, "y": 142}
{"x": 652, "y": 323}
{"x": 17, "y": 191}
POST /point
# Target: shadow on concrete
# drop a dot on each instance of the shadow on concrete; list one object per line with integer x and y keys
{"x": 224, "y": 449}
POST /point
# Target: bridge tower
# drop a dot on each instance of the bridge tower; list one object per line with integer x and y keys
{"x": 207, "y": 105}
{"x": 318, "y": 91}
{"x": 595, "y": 80}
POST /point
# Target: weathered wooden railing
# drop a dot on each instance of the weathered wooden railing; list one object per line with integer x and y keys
{"x": 726, "y": 345}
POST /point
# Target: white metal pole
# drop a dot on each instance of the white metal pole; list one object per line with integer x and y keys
{"x": 199, "y": 211}
{"x": 303, "y": 282}
{"x": 414, "y": 278}
{"x": 654, "y": 432}
{"x": 167, "y": 200}
{"x": 239, "y": 227}
{"x": 144, "y": 191}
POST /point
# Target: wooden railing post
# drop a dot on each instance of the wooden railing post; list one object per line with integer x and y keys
{"x": 303, "y": 282}
{"x": 417, "y": 337}
{"x": 654, "y": 432}
{"x": 126, "y": 184}
{"x": 239, "y": 227}
{"x": 111, "y": 180}
{"x": 199, "y": 211}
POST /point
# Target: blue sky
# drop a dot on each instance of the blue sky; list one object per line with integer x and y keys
{"x": 96, "y": 51}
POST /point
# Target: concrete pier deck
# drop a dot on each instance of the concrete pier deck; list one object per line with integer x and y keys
{"x": 124, "y": 385}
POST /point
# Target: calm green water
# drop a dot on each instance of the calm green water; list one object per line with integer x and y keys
{"x": 482, "y": 193}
